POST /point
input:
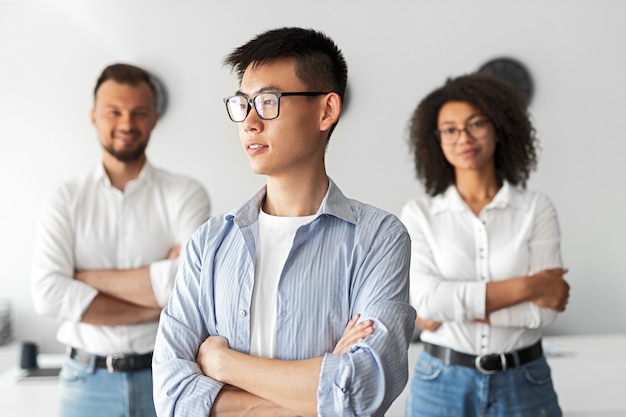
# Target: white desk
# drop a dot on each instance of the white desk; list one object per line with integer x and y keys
{"x": 588, "y": 373}
{"x": 8, "y": 356}
{"x": 27, "y": 397}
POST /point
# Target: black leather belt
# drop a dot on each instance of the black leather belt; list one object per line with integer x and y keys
{"x": 113, "y": 363}
{"x": 487, "y": 364}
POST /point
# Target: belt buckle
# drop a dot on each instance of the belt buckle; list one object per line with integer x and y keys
{"x": 479, "y": 366}
{"x": 109, "y": 361}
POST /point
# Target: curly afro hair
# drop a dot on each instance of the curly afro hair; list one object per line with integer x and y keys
{"x": 515, "y": 154}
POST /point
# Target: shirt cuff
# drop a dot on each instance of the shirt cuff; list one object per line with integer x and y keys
{"x": 333, "y": 392}
{"x": 475, "y": 299}
{"x": 76, "y": 301}
{"x": 162, "y": 276}
{"x": 501, "y": 317}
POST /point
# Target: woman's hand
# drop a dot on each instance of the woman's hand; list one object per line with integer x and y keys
{"x": 430, "y": 325}
{"x": 549, "y": 289}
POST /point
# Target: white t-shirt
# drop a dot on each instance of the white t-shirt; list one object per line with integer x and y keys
{"x": 276, "y": 236}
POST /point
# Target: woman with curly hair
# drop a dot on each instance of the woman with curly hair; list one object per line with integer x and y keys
{"x": 486, "y": 269}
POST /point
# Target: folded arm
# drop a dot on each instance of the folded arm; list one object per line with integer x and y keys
{"x": 546, "y": 288}
{"x": 520, "y": 301}
{"x": 108, "y": 311}
{"x": 131, "y": 285}
{"x": 365, "y": 381}
{"x": 289, "y": 384}
{"x": 234, "y": 402}
{"x": 288, "y": 387}
{"x": 62, "y": 292}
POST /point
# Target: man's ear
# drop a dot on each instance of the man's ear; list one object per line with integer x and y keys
{"x": 332, "y": 110}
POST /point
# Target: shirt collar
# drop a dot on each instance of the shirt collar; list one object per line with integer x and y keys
{"x": 507, "y": 196}
{"x": 146, "y": 174}
{"x": 333, "y": 204}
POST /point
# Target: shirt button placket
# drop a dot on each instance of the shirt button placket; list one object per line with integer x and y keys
{"x": 482, "y": 247}
{"x": 483, "y": 272}
{"x": 122, "y": 231}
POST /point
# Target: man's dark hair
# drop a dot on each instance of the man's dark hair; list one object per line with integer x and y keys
{"x": 515, "y": 155}
{"x": 319, "y": 62}
{"x": 126, "y": 74}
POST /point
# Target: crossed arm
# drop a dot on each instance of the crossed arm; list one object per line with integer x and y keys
{"x": 124, "y": 296}
{"x": 533, "y": 299}
{"x": 261, "y": 386}
{"x": 546, "y": 288}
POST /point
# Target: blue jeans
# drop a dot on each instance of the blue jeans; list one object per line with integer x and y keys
{"x": 439, "y": 390}
{"x": 95, "y": 392}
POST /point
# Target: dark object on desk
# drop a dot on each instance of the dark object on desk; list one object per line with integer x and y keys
{"x": 30, "y": 367}
{"x": 40, "y": 373}
{"x": 28, "y": 355}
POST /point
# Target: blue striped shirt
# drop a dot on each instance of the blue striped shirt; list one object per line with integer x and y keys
{"x": 352, "y": 258}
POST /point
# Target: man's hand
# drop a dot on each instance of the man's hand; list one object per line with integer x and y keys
{"x": 549, "y": 289}
{"x": 209, "y": 356}
{"x": 133, "y": 286}
{"x": 174, "y": 252}
{"x": 354, "y": 332}
{"x": 290, "y": 385}
{"x": 430, "y": 325}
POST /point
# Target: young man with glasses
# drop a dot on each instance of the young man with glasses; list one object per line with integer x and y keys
{"x": 295, "y": 302}
{"x": 106, "y": 253}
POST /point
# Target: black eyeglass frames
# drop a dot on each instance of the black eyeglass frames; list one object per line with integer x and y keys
{"x": 267, "y": 105}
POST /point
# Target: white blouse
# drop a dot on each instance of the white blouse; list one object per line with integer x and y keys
{"x": 454, "y": 254}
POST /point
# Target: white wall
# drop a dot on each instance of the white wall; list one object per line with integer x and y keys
{"x": 52, "y": 51}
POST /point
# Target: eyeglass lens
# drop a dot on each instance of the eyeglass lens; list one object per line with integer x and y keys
{"x": 476, "y": 130}
{"x": 265, "y": 104}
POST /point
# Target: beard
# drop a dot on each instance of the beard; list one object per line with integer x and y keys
{"x": 126, "y": 155}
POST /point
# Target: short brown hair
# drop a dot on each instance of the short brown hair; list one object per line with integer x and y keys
{"x": 126, "y": 74}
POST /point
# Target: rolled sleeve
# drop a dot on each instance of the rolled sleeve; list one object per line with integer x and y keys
{"x": 193, "y": 209}
{"x": 433, "y": 296}
{"x": 336, "y": 382}
{"x": 367, "y": 380}
{"x": 54, "y": 290}
{"x": 471, "y": 301}
{"x": 162, "y": 275}
{"x": 544, "y": 253}
{"x": 180, "y": 387}
{"x": 526, "y": 315}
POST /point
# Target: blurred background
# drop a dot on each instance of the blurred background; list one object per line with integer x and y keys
{"x": 52, "y": 51}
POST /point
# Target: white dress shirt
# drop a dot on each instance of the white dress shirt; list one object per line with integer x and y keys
{"x": 454, "y": 254}
{"x": 87, "y": 224}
